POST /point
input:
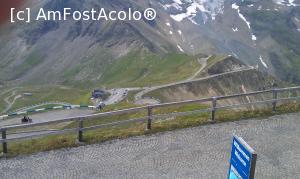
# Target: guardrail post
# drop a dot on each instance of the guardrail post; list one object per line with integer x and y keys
{"x": 213, "y": 109}
{"x": 275, "y": 96}
{"x": 80, "y": 132}
{"x": 149, "y": 122}
{"x": 4, "y": 144}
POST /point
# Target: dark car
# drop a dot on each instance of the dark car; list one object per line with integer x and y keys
{"x": 98, "y": 93}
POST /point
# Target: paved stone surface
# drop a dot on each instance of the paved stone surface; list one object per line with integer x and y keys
{"x": 201, "y": 152}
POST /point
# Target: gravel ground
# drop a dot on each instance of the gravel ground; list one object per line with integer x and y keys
{"x": 201, "y": 152}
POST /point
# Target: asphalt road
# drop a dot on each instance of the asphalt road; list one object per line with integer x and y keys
{"x": 117, "y": 95}
{"x": 48, "y": 116}
{"x": 201, "y": 152}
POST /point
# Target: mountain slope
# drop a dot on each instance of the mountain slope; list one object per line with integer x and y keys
{"x": 61, "y": 52}
{"x": 264, "y": 33}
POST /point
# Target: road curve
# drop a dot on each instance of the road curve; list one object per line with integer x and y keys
{"x": 200, "y": 152}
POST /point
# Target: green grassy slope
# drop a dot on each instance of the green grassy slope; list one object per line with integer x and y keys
{"x": 48, "y": 94}
{"x": 144, "y": 69}
{"x": 33, "y": 60}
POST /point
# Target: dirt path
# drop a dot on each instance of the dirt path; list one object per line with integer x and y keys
{"x": 203, "y": 62}
{"x": 9, "y": 103}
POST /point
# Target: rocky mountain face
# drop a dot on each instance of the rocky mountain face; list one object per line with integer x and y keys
{"x": 258, "y": 32}
{"x": 263, "y": 32}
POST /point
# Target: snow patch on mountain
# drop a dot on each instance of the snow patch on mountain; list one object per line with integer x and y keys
{"x": 178, "y": 1}
{"x": 191, "y": 12}
{"x": 179, "y": 32}
{"x": 189, "y": 9}
{"x": 263, "y": 62}
{"x": 173, "y": 5}
{"x": 236, "y": 7}
{"x": 259, "y": 8}
{"x": 286, "y": 2}
{"x": 235, "y": 29}
{"x": 179, "y": 47}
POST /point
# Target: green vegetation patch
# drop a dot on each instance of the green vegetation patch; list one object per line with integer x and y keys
{"x": 144, "y": 68}
{"x": 41, "y": 94}
{"x": 34, "y": 59}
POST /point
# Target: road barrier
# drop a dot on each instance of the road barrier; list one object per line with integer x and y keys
{"x": 57, "y": 103}
{"x": 274, "y": 93}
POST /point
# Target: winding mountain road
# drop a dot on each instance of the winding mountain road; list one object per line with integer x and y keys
{"x": 139, "y": 96}
{"x": 200, "y": 152}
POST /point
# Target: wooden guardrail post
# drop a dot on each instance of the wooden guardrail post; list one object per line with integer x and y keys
{"x": 275, "y": 96}
{"x": 149, "y": 122}
{"x": 80, "y": 132}
{"x": 213, "y": 109}
{"x": 4, "y": 144}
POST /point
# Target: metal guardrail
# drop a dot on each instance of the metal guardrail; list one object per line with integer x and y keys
{"x": 42, "y": 104}
{"x": 149, "y": 118}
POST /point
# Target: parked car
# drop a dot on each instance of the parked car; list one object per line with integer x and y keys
{"x": 98, "y": 94}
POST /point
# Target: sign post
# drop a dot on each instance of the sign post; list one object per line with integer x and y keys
{"x": 243, "y": 160}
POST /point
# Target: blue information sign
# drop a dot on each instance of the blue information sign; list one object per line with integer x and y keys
{"x": 243, "y": 160}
